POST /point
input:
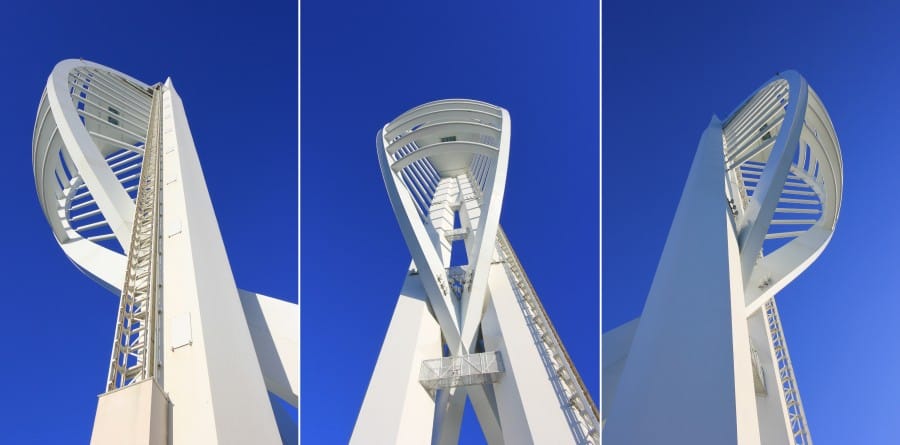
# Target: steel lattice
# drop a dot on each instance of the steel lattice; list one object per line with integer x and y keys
{"x": 796, "y": 417}
{"x": 133, "y": 356}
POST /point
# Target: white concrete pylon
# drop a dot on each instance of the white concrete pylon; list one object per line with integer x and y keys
{"x": 467, "y": 319}
{"x": 707, "y": 361}
{"x": 214, "y": 350}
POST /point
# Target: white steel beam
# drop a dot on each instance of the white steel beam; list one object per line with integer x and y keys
{"x": 116, "y": 205}
{"x": 683, "y": 318}
{"x": 211, "y": 375}
{"x": 397, "y": 409}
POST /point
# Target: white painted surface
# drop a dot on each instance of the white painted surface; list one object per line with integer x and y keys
{"x": 217, "y": 394}
{"x": 616, "y": 344}
{"x": 678, "y": 384}
{"x": 443, "y": 161}
{"x": 397, "y": 409}
{"x": 115, "y": 204}
{"x": 769, "y": 410}
{"x": 686, "y": 376}
{"x": 275, "y": 328}
{"x": 527, "y": 404}
{"x": 179, "y": 330}
{"x": 134, "y": 415}
{"x": 225, "y": 346}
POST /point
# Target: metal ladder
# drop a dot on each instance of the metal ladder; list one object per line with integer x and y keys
{"x": 134, "y": 357}
{"x": 796, "y": 417}
{"x": 577, "y": 399}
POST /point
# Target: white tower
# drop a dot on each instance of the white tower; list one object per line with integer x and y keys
{"x": 468, "y": 322}
{"x": 120, "y": 183}
{"x": 707, "y": 361}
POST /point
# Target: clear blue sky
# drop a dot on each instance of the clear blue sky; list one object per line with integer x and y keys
{"x": 236, "y": 70}
{"x": 363, "y": 65}
{"x": 667, "y": 67}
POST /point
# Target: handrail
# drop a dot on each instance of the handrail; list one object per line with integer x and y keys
{"x": 588, "y": 417}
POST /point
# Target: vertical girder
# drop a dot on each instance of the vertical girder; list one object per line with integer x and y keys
{"x": 799, "y": 430}
{"x": 134, "y": 355}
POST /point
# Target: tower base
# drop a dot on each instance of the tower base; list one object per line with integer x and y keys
{"x": 134, "y": 415}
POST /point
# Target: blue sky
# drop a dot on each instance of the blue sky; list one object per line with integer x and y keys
{"x": 364, "y": 65}
{"x": 667, "y": 67}
{"x": 235, "y": 67}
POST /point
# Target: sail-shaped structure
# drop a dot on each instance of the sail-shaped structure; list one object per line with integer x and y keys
{"x": 468, "y": 323}
{"x": 194, "y": 357}
{"x": 707, "y": 361}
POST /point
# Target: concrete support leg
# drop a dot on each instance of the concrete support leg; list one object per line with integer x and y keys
{"x": 397, "y": 409}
